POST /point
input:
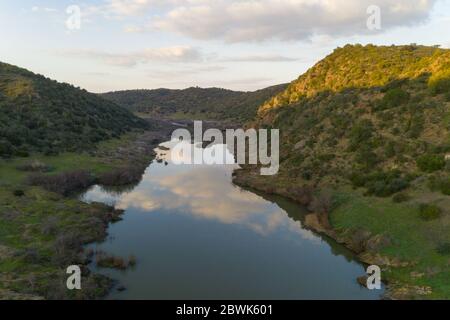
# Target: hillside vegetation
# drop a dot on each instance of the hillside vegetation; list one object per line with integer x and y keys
{"x": 370, "y": 127}
{"x": 195, "y": 103}
{"x": 366, "y": 67}
{"x": 41, "y": 115}
{"x": 380, "y": 131}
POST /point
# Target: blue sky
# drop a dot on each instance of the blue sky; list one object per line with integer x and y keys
{"x": 236, "y": 44}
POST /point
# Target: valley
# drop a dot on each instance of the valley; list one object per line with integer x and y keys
{"x": 365, "y": 140}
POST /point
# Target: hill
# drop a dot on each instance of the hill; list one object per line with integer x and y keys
{"x": 364, "y": 110}
{"x": 365, "y": 144}
{"x": 41, "y": 115}
{"x": 195, "y": 103}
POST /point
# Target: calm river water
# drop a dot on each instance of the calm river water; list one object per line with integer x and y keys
{"x": 197, "y": 236}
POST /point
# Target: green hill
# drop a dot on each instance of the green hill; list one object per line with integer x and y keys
{"x": 365, "y": 144}
{"x": 366, "y": 67}
{"x": 41, "y": 115}
{"x": 365, "y": 110}
{"x": 195, "y": 103}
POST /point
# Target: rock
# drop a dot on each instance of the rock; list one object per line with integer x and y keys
{"x": 312, "y": 221}
{"x": 409, "y": 292}
{"x": 362, "y": 281}
{"x": 382, "y": 261}
{"x": 300, "y": 145}
{"x": 378, "y": 242}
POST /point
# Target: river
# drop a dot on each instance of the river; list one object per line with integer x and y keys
{"x": 197, "y": 236}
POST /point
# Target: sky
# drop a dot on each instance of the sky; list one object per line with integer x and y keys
{"x": 108, "y": 45}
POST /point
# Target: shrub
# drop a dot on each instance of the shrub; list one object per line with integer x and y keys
{"x": 361, "y": 133}
{"x": 18, "y": 193}
{"x": 323, "y": 203}
{"x": 444, "y": 186}
{"x": 441, "y": 85}
{"x": 447, "y": 96}
{"x": 358, "y": 179}
{"x": 429, "y": 212}
{"x": 104, "y": 260}
{"x": 400, "y": 197}
{"x": 385, "y": 184}
{"x": 431, "y": 163}
{"x": 121, "y": 177}
{"x": 64, "y": 183}
{"x": 303, "y": 195}
{"x": 444, "y": 249}
{"x": 394, "y": 98}
{"x": 6, "y": 149}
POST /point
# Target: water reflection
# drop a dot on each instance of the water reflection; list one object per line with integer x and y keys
{"x": 203, "y": 191}
{"x": 198, "y": 236}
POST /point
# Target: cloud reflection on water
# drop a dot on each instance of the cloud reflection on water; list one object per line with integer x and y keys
{"x": 205, "y": 192}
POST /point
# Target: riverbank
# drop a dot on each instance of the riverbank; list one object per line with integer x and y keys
{"x": 44, "y": 227}
{"x": 378, "y": 230}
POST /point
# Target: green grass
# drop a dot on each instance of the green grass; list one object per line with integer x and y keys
{"x": 22, "y": 220}
{"x": 9, "y": 175}
{"x": 414, "y": 240}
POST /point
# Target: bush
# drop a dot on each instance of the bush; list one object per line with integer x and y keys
{"x": 444, "y": 186}
{"x": 360, "y": 134}
{"x": 394, "y": 98}
{"x": 104, "y": 260}
{"x": 18, "y": 193}
{"x": 431, "y": 163}
{"x": 303, "y": 195}
{"x": 323, "y": 203}
{"x": 64, "y": 183}
{"x": 385, "y": 184}
{"x": 429, "y": 212}
{"x": 121, "y": 177}
{"x": 400, "y": 197}
{"x": 444, "y": 249}
{"x": 6, "y": 149}
{"x": 440, "y": 86}
{"x": 447, "y": 96}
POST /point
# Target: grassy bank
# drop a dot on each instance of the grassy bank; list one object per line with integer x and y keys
{"x": 43, "y": 232}
{"x": 411, "y": 249}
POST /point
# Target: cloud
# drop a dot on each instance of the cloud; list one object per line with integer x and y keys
{"x": 185, "y": 72}
{"x": 37, "y": 9}
{"x": 167, "y": 54}
{"x": 136, "y": 7}
{"x": 249, "y": 20}
{"x": 260, "y": 58}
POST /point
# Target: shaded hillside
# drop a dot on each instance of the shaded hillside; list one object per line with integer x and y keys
{"x": 198, "y": 103}
{"x": 39, "y": 114}
{"x": 379, "y": 130}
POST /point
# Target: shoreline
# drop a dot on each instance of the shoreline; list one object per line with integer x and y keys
{"x": 50, "y": 229}
{"x": 363, "y": 244}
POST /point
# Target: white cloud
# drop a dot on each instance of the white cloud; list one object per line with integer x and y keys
{"x": 260, "y": 58}
{"x": 250, "y": 20}
{"x": 37, "y": 9}
{"x": 186, "y": 72}
{"x": 167, "y": 54}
